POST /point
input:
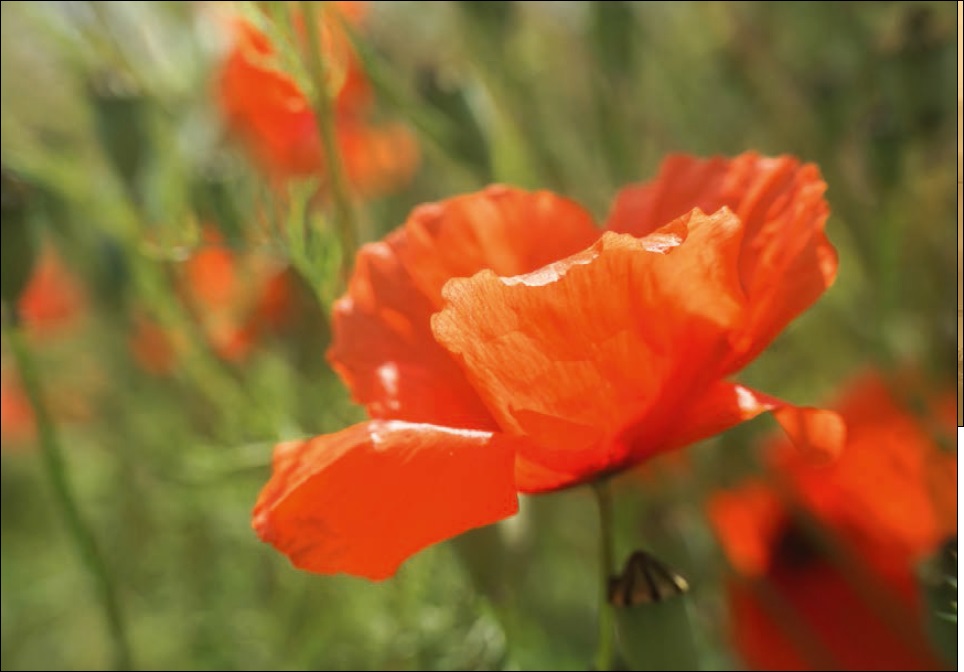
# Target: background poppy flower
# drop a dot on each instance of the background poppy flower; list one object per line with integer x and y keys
{"x": 888, "y": 502}
{"x": 17, "y": 423}
{"x": 236, "y": 299}
{"x": 53, "y": 300}
{"x": 50, "y": 307}
{"x": 587, "y": 353}
{"x": 266, "y": 109}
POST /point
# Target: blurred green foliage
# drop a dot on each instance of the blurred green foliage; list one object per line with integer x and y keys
{"x": 108, "y": 125}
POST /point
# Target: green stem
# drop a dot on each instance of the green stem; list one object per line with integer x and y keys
{"x": 324, "y": 117}
{"x": 606, "y": 650}
{"x": 56, "y": 471}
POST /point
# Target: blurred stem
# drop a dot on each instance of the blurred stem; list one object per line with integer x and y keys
{"x": 606, "y": 646}
{"x": 56, "y": 471}
{"x": 324, "y": 117}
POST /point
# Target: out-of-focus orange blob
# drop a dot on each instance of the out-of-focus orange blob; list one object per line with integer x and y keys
{"x": 886, "y": 503}
{"x": 267, "y": 111}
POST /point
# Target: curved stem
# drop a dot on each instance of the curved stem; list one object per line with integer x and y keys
{"x": 56, "y": 472}
{"x": 324, "y": 117}
{"x": 606, "y": 646}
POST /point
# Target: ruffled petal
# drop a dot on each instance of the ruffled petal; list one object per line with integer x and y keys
{"x": 786, "y": 262}
{"x": 506, "y": 230}
{"x": 567, "y": 354}
{"x": 383, "y": 347}
{"x": 364, "y": 499}
{"x": 385, "y": 353}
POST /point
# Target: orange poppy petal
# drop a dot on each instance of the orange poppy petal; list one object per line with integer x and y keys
{"x": 506, "y": 230}
{"x": 748, "y": 522}
{"x": 382, "y": 344}
{"x": 377, "y": 158}
{"x": 818, "y": 432}
{"x": 269, "y": 113}
{"x": 568, "y": 353}
{"x": 362, "y": 500}
{"x": 893, "y": 490}
{"x": 384, "y": 352}
{"x": 786, "y": 262}
{"x": 265, "y": 108}
{"x": 53, "y": 299}
{"x": 17, "y": 424}
{"x": 211, "y": 277}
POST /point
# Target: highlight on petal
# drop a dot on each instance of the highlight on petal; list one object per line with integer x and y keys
{"x": 786, "y": 262}
{"x": 364, "y": 499}
{"x": 567, "y": 354}
{"x": 382, "y": 344}
{"x": 384, "y": 351}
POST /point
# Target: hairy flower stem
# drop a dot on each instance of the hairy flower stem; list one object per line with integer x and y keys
{"x": 55, "y": 468}
{"x": 324, "y": 117}
{"x": 606, "y": 646}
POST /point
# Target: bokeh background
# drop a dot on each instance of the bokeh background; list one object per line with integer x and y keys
{"x": 118, "y": 162}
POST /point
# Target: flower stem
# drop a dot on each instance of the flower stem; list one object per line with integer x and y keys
{"x": 55, "y": 468}
{"x": 606, "y": 646}
{"x": 324, "y": 117}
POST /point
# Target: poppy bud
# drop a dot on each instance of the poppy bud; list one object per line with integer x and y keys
{"x": 652, "y": 617}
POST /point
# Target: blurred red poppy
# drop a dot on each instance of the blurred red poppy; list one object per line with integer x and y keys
{"x": 236, "y": 300}
{"x": 53, "y": 300}
{"x": 264, "y": 107}
{"x": 884, "y": 505}
{"x": 502, "y": 345}
{"x": 50, "y": 307}
{"x": 17, "y": 425}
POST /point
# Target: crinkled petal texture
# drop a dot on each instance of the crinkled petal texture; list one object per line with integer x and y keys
{"x": 364, "y": 499}
{"x": 786, "y": 261}
{"x": 611, "y": 355}
{"x": 383, "y": 346}
{"x": 561, "y": 353}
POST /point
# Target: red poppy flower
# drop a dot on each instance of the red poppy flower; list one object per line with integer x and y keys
{"x": 502, "y": 345}
{"x": 51, "y": 306}
{"x": 53, "y": 299}
{"x": 17, "y": 424}
{"x": 269, "y": 113}
{"x": 236, "y": 299}
{"x": 887, "y": 502}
